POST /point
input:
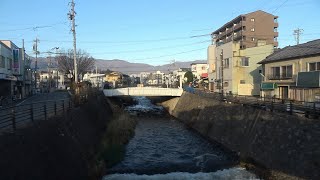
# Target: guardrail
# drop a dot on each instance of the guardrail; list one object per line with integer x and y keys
{"x": 309, "y": 109}
{"x": 14, "y": 117}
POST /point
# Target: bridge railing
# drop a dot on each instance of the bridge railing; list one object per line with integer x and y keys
{"x": 143, "y": 91}
{"x": 19, "y": 116}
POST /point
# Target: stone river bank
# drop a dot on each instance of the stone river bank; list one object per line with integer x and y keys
{"x": 280, "y": 146}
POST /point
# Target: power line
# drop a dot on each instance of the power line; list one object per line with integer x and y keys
{"x": 33, "y": 28}
{"x": 134, "y": 41}
{"x": 151, "y": 49}
{"x": 183, "y": 52}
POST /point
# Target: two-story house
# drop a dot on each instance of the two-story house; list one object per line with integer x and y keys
{"x": 199, "y": 70}
{"x": 293, "y": 72}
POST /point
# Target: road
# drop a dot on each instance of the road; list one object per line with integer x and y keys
{"x": 35, "y": 108}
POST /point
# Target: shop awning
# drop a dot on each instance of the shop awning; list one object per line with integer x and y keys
{"x": 204, "y": 75}
{"x": 268, "y": 86}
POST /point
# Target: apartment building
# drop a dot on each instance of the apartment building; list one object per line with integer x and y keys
{"x": 250, "y": 30}
{"x": 293, "y": 73}
{"x": 237, "y": 48}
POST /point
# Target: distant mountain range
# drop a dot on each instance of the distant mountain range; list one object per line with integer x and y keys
{"x": 125, "y": 66}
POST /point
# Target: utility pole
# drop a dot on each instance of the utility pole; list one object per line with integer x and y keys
{"x": 212, "y": 39}
{"x": 24, "y": 70}
{"x": 222, "y": 86}
{"x": 71, "y": 15}
{"x": 97, "y": 77}
{"x": 35, "y": 49}
{"x": 49, "y": 74}
{"x": 297, "y": 33}
{"x": 55, "y": 59}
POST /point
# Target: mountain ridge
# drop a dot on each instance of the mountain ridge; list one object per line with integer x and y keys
{"x": 124, "y": 66}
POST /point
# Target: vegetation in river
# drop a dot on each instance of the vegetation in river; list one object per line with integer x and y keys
{"x": 117, "y": 135}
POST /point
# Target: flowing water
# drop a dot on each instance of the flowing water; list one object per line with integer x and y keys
{"x": 164, "y": 148}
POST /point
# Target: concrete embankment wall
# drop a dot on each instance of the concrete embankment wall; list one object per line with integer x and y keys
{"x": 287, "y": 145}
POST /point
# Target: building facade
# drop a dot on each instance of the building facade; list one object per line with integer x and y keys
{"x": 250, "y": 30}
{"x": 15, "y": 71}
{"x": 293, "y": 73}
{"x": 97, "y": 80}
{"x": 52, "y": 80}
{"x": 237, "y": 48}
{"x": 199, "y": 70}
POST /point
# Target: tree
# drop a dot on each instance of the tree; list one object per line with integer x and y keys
{"x": 85, "y": 62}
{"x": 189, "y": 76}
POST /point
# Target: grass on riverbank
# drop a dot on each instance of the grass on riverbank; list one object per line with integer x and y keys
{"x": 112, "y": 149}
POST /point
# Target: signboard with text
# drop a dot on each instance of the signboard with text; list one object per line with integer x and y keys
{"x": 16, "y": 65}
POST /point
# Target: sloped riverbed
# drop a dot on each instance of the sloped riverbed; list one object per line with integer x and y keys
{"x": 164, "y": 148}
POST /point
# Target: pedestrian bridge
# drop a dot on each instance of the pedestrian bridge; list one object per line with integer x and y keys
{"x": 143, "y": 91}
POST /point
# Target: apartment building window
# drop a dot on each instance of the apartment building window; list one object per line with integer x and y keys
{"x": 315, "y": 66}
{"x": 275, "y": 20}
{"x": 252, "y": 19}
{"x": 244, "y": 61}
{"x": 226, "y": 63}
{"x": 9, "y": 63}
{"x": 275, "y": 29}
{"x": 242, "y": 81}
{"x": 252, "y": 39}
{"x": 275, "y": 38}
{"x": 2, "y": 62}
{"x": 252, "y": 29}
{"x": 286, "y": 71}
{"x": 243, "y": 28}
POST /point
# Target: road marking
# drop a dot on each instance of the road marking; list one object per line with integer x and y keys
{"x": 26, "y": 99}
{"x": 21, "y": 102}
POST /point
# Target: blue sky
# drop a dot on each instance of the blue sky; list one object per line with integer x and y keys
{"x": 145, "y": 31}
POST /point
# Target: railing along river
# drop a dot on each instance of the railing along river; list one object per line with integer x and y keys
{"x": 18, "y": 116}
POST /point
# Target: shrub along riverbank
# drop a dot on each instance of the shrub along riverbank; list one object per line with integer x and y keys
{"x": 112, "y": 147}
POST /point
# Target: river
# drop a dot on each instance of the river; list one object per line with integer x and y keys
{"x": 164, "y": 148}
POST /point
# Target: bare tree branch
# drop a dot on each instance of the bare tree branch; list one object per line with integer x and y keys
{"x": 85, "y": 62}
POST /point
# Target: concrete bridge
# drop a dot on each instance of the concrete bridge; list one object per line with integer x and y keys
{"x": 143, "y": 91}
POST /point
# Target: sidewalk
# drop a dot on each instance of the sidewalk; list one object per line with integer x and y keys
{"x": 36, "y": 98}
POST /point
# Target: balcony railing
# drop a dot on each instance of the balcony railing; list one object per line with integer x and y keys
{"x": 279, "y": 77}
{"x": 237, "y": 27}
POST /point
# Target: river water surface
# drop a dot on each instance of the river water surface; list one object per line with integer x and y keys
{"x": 164, "y": 148}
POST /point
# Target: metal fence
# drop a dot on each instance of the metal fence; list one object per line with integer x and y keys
{"x": 14, "y": 117}
{"x": 309, "y": 109}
